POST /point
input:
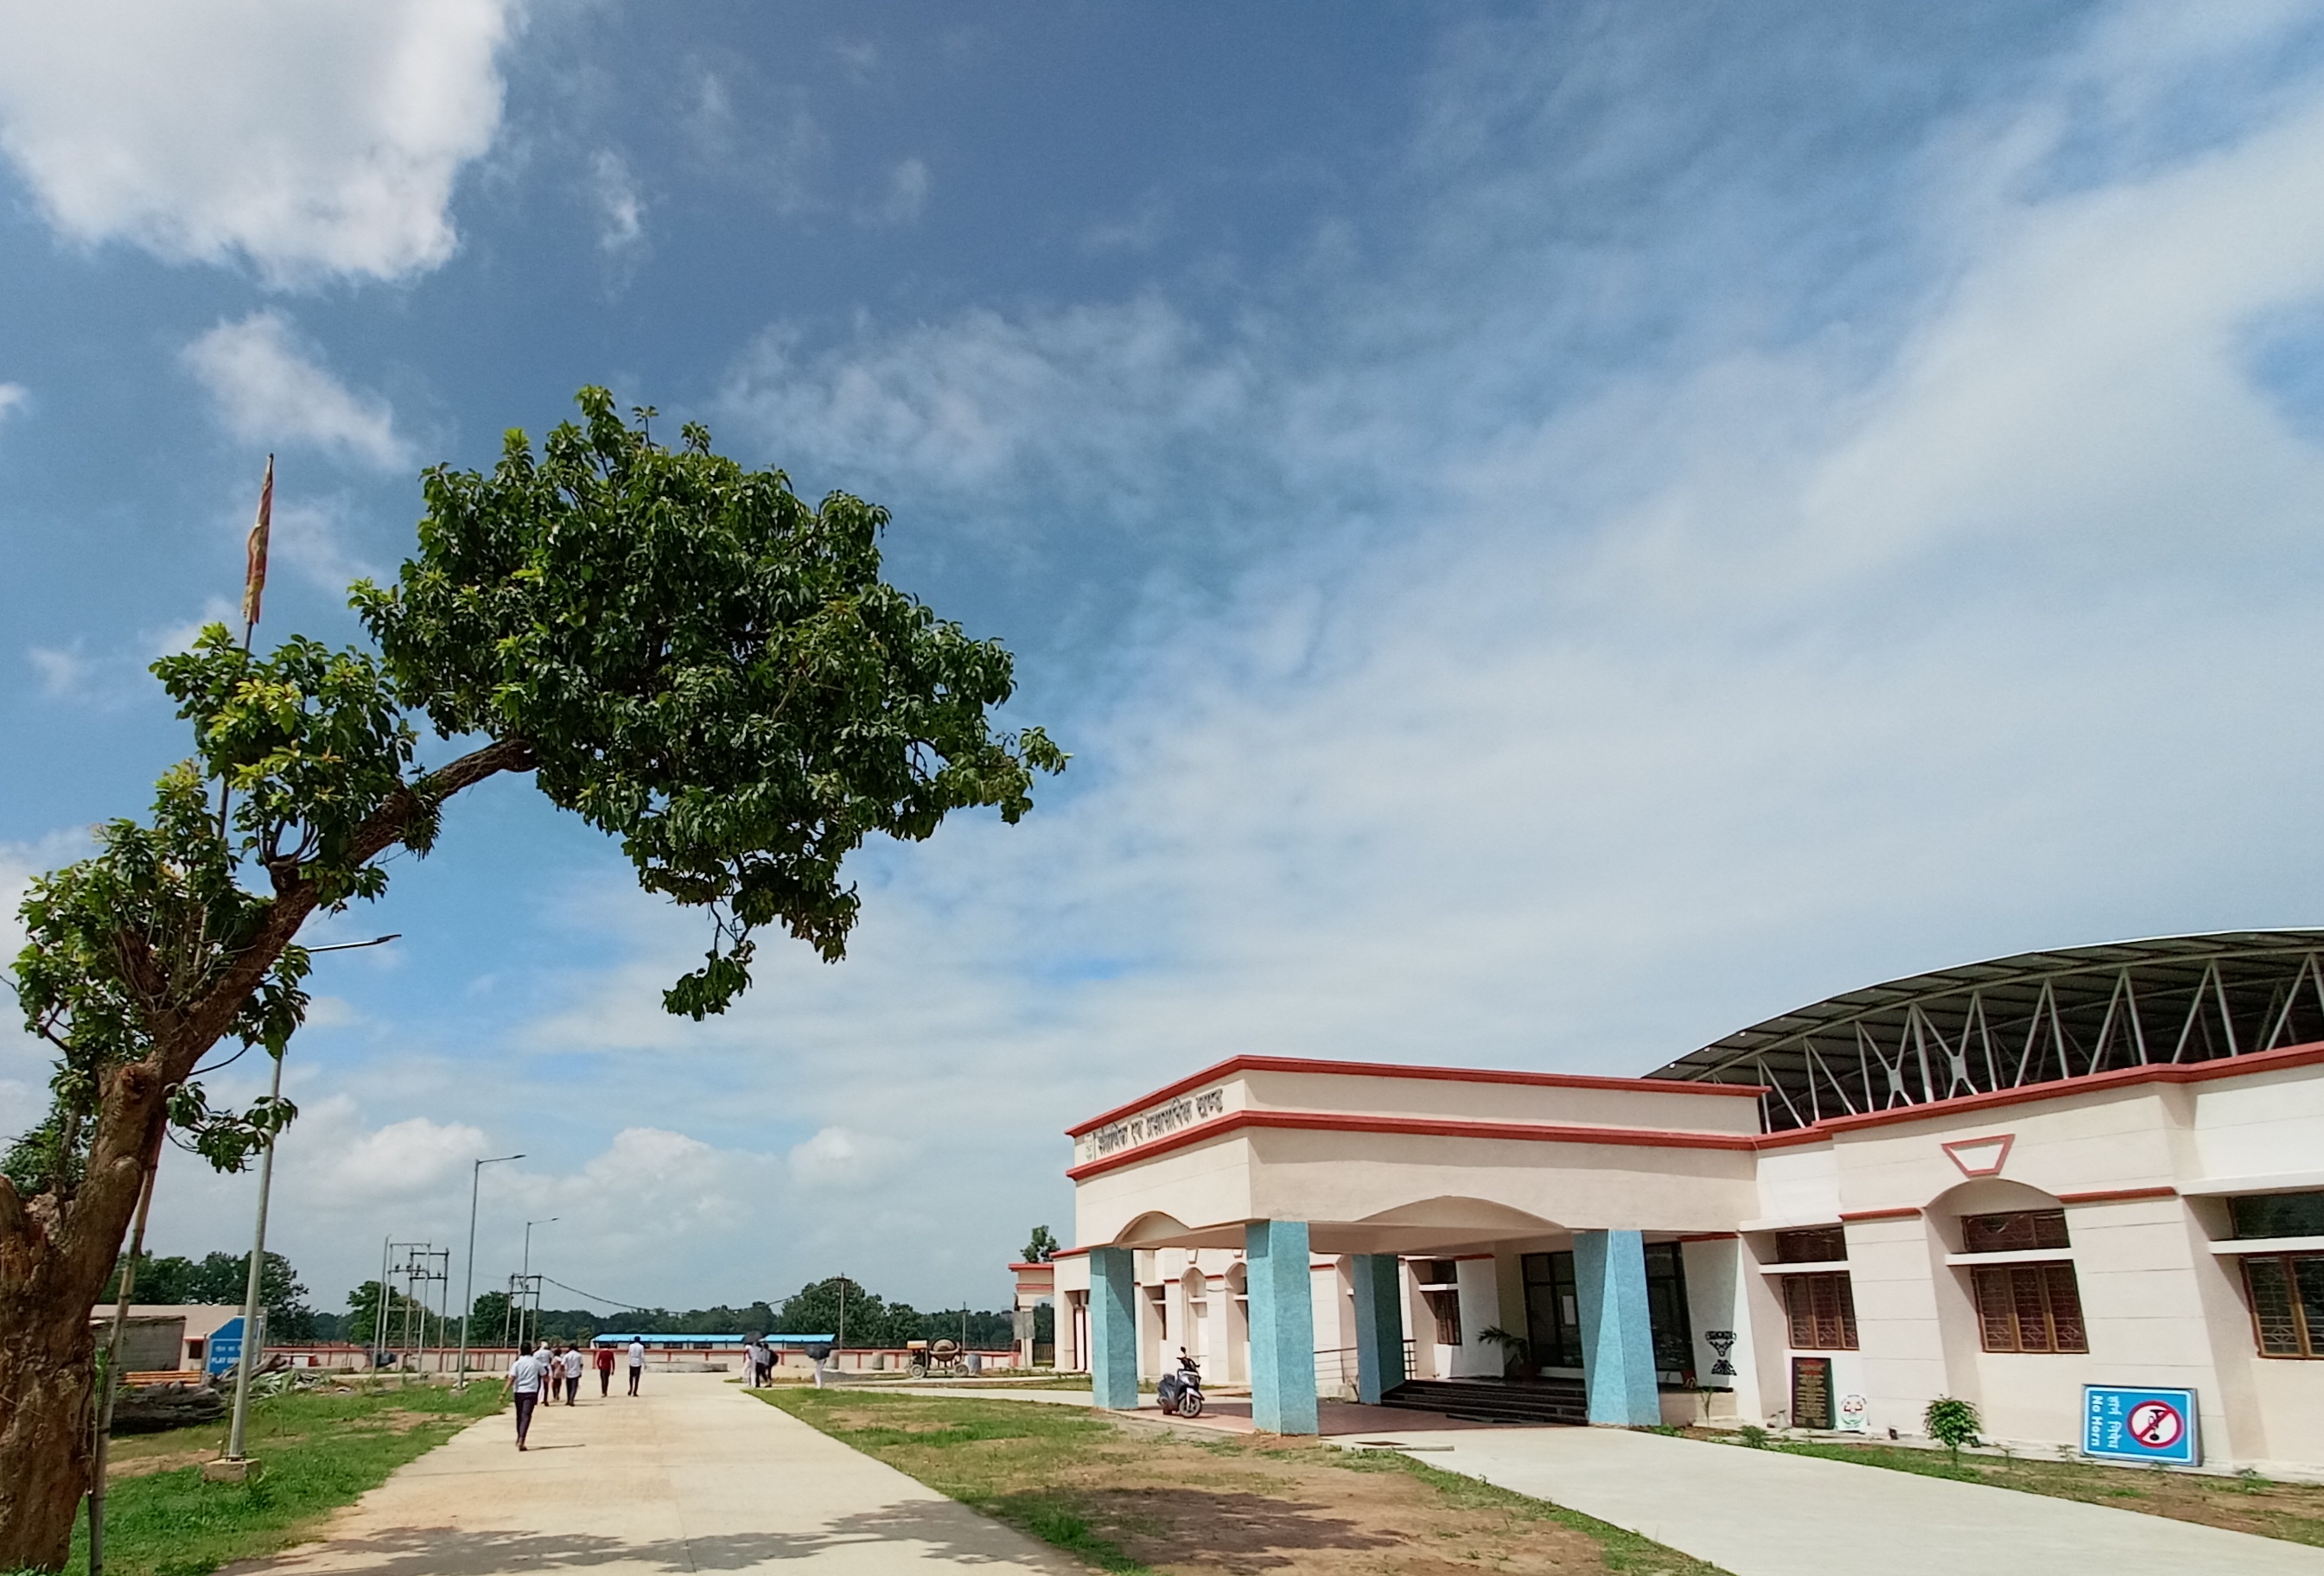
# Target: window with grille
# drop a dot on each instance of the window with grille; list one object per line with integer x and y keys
{"x": 2287, "y": 1299}
{"x": 1822, "y": 1311}
{"x": 2279, "y": 1215}
{"x": 2018, "y": 1231}
{"x": 2030, "y": 1307}
{"x": 1816, "y": 1245}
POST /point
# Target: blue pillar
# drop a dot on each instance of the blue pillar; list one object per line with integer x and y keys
{"x": 1379, "y": 1325}
{"x": 1114, "y": 1327}
{"x": 1617, "y": 1337}
{"x": 1282, "y": 1327}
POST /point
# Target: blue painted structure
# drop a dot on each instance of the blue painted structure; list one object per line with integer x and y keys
{"x": 1114, "y": 1328}
{"x": 1618, "y": 1336}
{"x": 1379, "y": 1324}
{"x": 1282, "y": 1327}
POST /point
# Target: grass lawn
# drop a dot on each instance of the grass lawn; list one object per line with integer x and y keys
{"x": 2292, "y": 1511}
{"x": 318, "y": 1451}
{"x": 1136, "y": 1499}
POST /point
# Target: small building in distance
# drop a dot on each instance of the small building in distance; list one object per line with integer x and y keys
{"x": 161, "y": 1336}
{"x": 2045, "y": 1184}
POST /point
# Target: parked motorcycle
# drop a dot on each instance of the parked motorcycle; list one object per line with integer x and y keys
{"x": 1182, "y": 1392}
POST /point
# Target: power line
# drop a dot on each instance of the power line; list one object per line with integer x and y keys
{"x": 614, "y": 1303}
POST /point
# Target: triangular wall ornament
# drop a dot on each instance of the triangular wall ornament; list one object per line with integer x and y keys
{"x": 1981, "y": 1157}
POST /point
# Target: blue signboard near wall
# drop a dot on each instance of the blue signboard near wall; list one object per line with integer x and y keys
{"x": 2125, "y": 1423}
{"x": 224, "y": 1349}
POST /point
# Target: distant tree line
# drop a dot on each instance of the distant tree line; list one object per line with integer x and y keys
{"x": 815, "y": 1309}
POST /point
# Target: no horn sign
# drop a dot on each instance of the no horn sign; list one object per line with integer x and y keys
{"x": 2124, "y": 1423}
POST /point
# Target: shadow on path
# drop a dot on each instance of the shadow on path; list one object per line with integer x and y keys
{"x": 950, "y": 1532}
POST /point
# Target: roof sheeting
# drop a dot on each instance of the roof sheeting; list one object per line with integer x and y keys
{"x": 2037, "y": 1017}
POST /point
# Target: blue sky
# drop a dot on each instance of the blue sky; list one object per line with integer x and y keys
{"x": 1554, "y": 533}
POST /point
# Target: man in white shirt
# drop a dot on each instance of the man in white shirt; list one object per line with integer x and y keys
{"x": 573, "y": 1373}
{"x": 523, "y": 1381}
{"x": 637, "y": 1364}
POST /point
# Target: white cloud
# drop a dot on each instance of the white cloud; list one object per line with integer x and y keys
{"x": 13, "y": 398}
{"x": 904, "y": 196}
{"x": 986, "y": 404}
{"x": 64, "y": 673}
{"x": 620, "y": 203}
{"x": 271, "y": 388}
{"x": 311, "y": 140}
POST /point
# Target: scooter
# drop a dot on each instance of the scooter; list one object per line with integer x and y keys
{"x": 1182, "y": 1392}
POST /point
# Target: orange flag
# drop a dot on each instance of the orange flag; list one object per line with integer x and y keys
{"x": 253, "y": 585}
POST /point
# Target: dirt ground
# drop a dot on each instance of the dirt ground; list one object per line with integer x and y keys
{"x": 1132, "y": 1498}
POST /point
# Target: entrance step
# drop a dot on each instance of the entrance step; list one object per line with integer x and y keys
{"x": 1496, "y": 1400}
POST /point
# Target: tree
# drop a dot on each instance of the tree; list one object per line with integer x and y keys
{"x": 223, "y": 1279}
{"x": 1952, "y": 1423}
{"x": 1041, "y": 1247}
{"x": 680, "y": 651}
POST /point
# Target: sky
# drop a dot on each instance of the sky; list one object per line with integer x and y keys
{"x": 1552, "y": 533}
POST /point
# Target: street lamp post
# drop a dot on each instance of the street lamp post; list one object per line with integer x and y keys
{"x": 527, "y": 1272}
{"x": 468, "y": 1299}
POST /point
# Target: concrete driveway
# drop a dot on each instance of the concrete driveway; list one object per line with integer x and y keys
{"x": 1762, "y": 1513}
{"x": 694, "y": 1475}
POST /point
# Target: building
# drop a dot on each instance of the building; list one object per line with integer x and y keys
{"x": 2001, "y": 1181}
{"x": 162, "y": 1336}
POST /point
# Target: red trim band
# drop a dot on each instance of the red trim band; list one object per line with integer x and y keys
{"x": 1848, "y": 1217}
{"x": 2116, "y": 1195}
{"x": 1234, "y": 1065}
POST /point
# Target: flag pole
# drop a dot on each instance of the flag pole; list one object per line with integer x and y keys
{"x": 253, "y": 594}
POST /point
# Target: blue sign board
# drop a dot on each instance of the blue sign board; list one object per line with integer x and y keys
{"x": 2125, "y": 1423}
{"x": 224, "y": 1349}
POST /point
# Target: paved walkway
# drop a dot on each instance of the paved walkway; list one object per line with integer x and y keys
{"x": 694, "y": 1475}
{"x": 1762, "y": 1513}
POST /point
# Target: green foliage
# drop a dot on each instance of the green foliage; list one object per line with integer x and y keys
{"x": 1753, "y": 1436}
{"x": 223, "y": 1279}
{"x": 361, "y": 1324}
{"x": 1041, "y": 1247}
{"x": 702, "y": 666}
{"x": 1517, "y": 1351}
{"x": 1951, "y": 1423}
{"x": 688, "y": 655}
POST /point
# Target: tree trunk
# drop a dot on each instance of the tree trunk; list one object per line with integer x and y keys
{"x": 44, "y": 1440}
{"x": 54, "y": 1258}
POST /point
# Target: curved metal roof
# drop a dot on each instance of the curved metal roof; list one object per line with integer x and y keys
{"x": 2037, "y": 1017}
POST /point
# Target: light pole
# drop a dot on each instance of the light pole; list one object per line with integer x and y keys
{"x": 469, "y": 1300}
{"x": 527, "y": 1271}
{"x": 252, "y": 1327}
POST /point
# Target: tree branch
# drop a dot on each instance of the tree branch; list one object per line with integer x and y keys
{"x": 202, "y": 1024}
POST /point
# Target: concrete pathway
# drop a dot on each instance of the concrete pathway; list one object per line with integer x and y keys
{"x": 694, "y": 1475}
{"x": 1762, "y": 1513}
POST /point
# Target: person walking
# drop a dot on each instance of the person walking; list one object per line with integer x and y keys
{"x": 637, "y": 1363}
{"x": 604, "y": 1370}
{"x": 572, "y": 1374}
{"x": 523, "y": 1382}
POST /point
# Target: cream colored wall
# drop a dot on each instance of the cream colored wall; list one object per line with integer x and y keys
{"x": 2261, "y": 1125}
{"x": 1314, "y": 1176}
{"x": 1199, "y": 1184}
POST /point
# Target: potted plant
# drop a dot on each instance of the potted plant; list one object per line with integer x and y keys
{"x": 1516, "y": 1352}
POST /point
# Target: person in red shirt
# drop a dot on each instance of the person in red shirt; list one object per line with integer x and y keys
{"x": 604, "y": 1370}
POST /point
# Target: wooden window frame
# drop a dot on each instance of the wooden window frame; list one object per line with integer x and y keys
{"x": 1805, "y": 1287}
{"x": 2042, "y": 1278}
{"x": 2309, "y": 1337}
